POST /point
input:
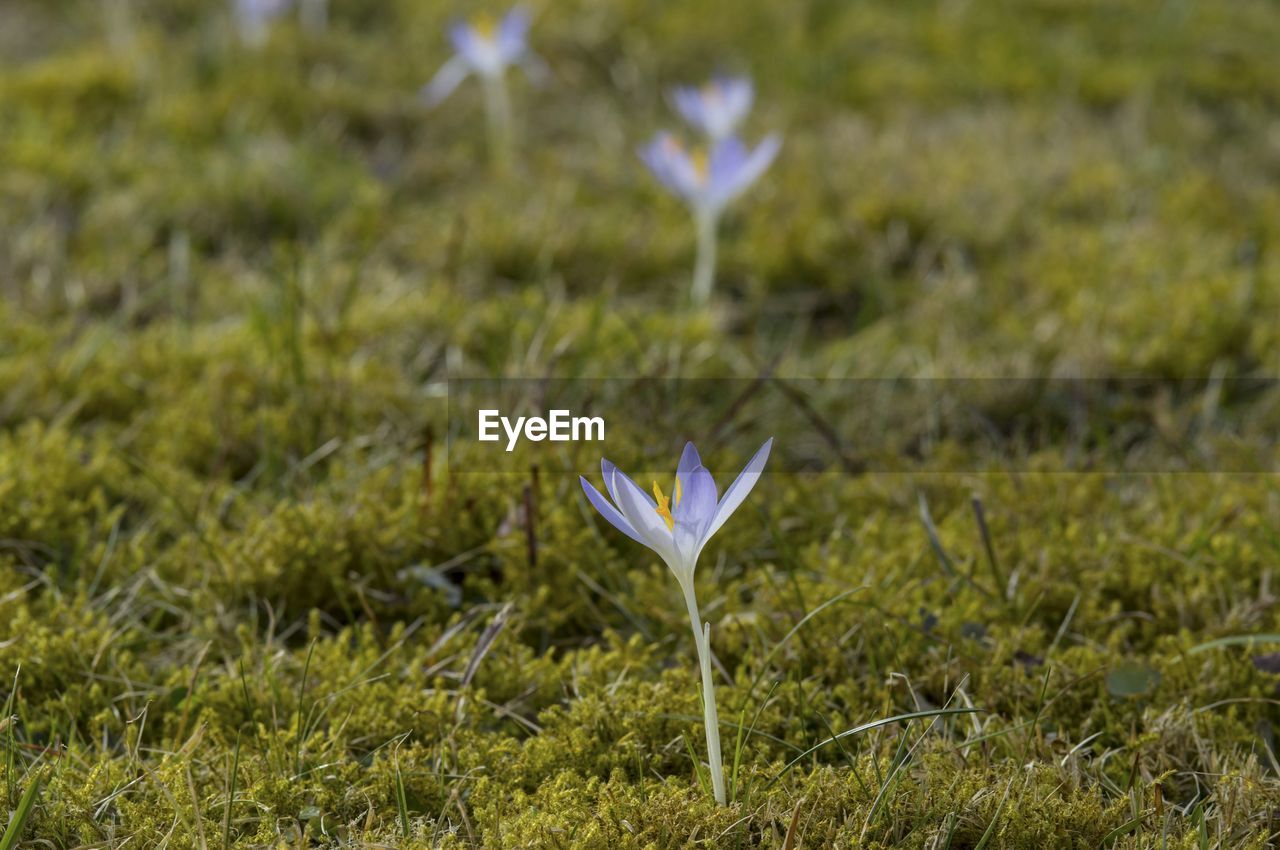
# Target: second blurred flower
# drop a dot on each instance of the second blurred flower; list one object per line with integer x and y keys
{"x": 486, "y": 48}
{"x": 716, "y": 108}
{"x": 707, "y": 179}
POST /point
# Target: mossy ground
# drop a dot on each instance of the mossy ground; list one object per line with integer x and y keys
{"x": 239, "y": 589}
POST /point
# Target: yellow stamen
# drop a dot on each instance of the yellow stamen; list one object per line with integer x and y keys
{"x": 664, "y": 504}
{"x": 699, "y": 158}
{"x": 485, "y": 25}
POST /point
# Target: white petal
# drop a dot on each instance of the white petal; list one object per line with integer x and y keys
{"x": 608, "y": 511}
{"x": 609, "y": 470}
{"x": 645, "y": 520}
{"x": 739, "y": 489}
{"x": 445, "y": 81}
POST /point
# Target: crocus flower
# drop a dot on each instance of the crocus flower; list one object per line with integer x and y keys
{"x": 707, "y": 182}
{"x": 677, "y": 527}
{"x": 716, "y": 108}
{"x": 253, "y": 17}
{"x": 486, "y": 49}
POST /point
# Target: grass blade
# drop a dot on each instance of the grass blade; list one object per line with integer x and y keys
{"x": 302, "y": 728}
{"x": 764, "y": 665}
{"x": 231, "y": 796}
{"x": 866, "y": 727}
{"x": 1234, "y": 640}
{"x": 737, "y": 756}
{"x": 402, "y": 803}
{"x": 697, "y": 767}
{"x": 995, "y": 819}
{"x": 980, "y": 516}
{"x": 25, "y": 806}
{"x": 11, "y": 747}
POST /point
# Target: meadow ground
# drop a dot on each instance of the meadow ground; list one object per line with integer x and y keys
{"x": 245, "y": 602}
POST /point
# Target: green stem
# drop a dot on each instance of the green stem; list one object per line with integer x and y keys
{"x": 704, "y": 270}
{"x": 314, "y": 15}
{"x": 711, "y": 719}
{"x": 497, "y": 108}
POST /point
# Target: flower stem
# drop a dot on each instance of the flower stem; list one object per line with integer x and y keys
{"x": 711, "y": 719}
{"x": 314, "y": 15}
{"x": 497, "y": 107}
{"x": 704, "y": 270}
{"x": 121, "y": 30}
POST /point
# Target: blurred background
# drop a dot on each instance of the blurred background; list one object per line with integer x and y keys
{"x": 979, "y": 187}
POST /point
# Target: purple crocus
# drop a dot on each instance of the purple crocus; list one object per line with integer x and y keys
{"x": 707, "y": 182}
{"x": 254, "y": 17}
{"x": 716, "y": 108}
{"x": 485, "y": 48}
{"x": 677, "y": 528}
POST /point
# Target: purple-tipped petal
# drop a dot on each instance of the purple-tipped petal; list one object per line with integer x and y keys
{"x": 762, "y": 157}
{"x": 739, "y": 489}
{"x": 727, "y": 160}
{"x": 689, "y": 461}
{"x": 463, "y": 38}
{"x": 688, "y": 102}
{"x": 513, "y": 34}
{"x": 738, "y": 92}
{"x": 733, "y": 169}
{"x": 698, "y": 499}
{"x": 608, "y": 511}
{"x": 696, "y": 510}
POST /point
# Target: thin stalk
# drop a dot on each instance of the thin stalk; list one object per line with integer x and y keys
{"x": 497, "y": 110}
{"x": 121, "y": 32}
{"x": 704, "y": 270}
{"x": 710, "y": 718}
{"x": 314, "y": 15}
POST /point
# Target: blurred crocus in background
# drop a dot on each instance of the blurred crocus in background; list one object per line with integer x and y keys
{"x": 486, "y": 48}
{"x": 254, "y": 18}
{"x": 677, "y": 527}
{"x": 716, "y": 108}
{"x": 707, "y": 181}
